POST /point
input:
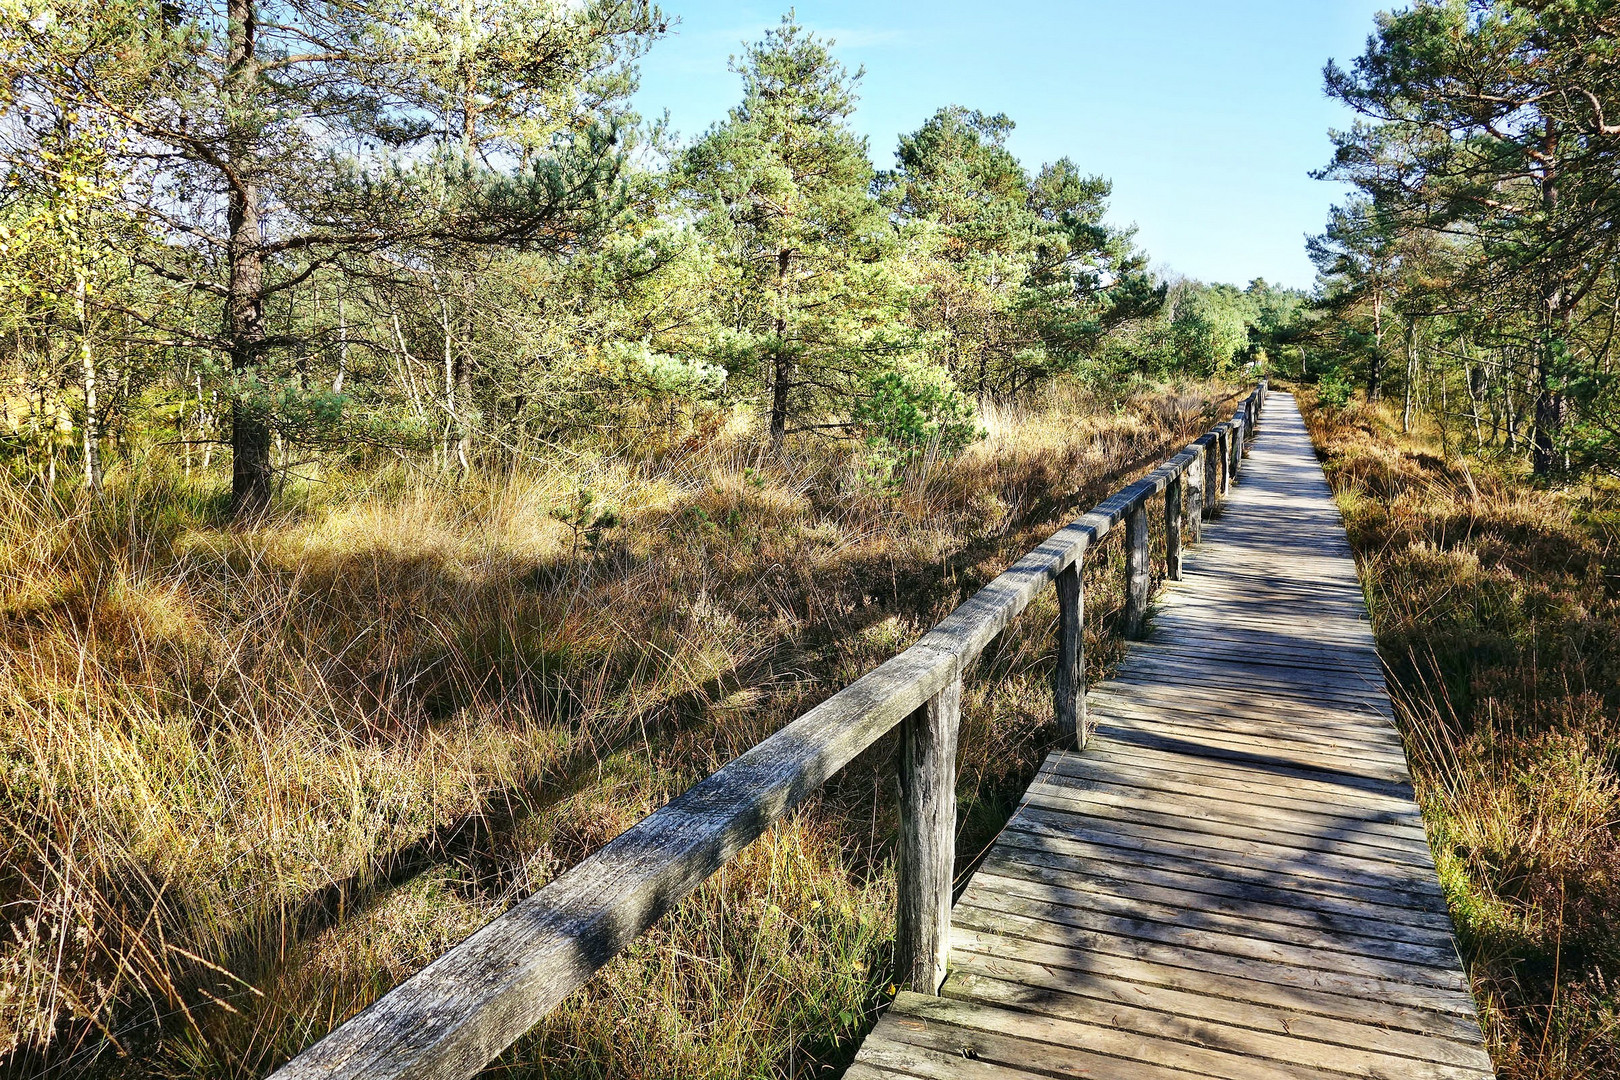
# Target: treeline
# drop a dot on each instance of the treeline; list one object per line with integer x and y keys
{"x": 293, "y": 228}
{"x": 1473, "y": 271}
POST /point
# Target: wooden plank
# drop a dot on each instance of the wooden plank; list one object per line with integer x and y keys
{"x": 1062, "y": 925}
{"x": 1044, "y": 1043}
{"x": 1043, "y": 803}
{"x": 1229, "y": 812}
{"x": 1386, "y": 775}
{"x": 1138, "y": 579}
{"x": 1348, "y": 753}
{"x": 1366, "y": 775}
{"x": 1172, "y": 530}
{"x": 1069, "y": 668}
{"x": 1233, "y": 799}
{"x": 1192, "y": 890}
{"x": 926, "y": 855}
{"x": 931, "y": 1049}
{"x": 1232, "y": 879}
{"x": 1300, "y": 716}
{"x": 1281, "y": 724}
{"x": 1300, "y": 1040}
{"x": 1273, "y": 986}
{"x": 1106, "y": 846}
{"x": 1041, "y": 900}
{"x": 1330, "y": 786}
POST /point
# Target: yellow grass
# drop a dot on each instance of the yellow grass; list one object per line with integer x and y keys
{"x": 1495, "y": 606}
{"x": 249, "y": 779}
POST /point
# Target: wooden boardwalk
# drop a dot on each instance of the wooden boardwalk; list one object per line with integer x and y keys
{"x": 1232, "y": 879}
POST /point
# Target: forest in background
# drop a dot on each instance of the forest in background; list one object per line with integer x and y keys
{"x": 419, "y": 466}
{"x": 260, "y": 235}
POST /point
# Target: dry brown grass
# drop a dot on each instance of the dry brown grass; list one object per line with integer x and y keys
{"x": 1496, "y": 609}
{"x": 249, "y": 779}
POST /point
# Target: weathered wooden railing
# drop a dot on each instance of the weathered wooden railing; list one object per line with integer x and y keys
{"x": 462, "y": 1010}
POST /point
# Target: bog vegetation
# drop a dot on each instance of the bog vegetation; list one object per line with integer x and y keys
{"x": 417, "y": 466}
{"x": 1463, "y": 350}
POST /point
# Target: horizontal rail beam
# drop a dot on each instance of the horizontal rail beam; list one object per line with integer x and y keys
{"x": 466, "y": 1007}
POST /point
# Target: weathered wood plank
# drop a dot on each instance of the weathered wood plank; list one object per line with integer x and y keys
{"x": 1232, "y": 879}
{"x": 926, "y": 855}
{"x": 1089, "y": 908}
{"x": 1138, "y": 575}
{"x": 1182, "y": 1019}
{"x": 1275, "y": 986}
{"x": 1069, "y": 670}
{"x": 1172, "y": 529}
{"x": 1190, "y": 890}
{"x": 1050, "y": 987}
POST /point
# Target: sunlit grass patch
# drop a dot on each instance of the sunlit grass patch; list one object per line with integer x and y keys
{"x": 1496, "y": 611}
{"x": 252, "y": 777}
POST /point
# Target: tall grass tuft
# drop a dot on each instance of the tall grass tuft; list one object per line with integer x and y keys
{"x": 250, "y": 778}
{"x": 1497, "y": 611}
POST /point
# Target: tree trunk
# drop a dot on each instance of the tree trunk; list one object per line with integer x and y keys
{"x": 1550, "y": 406}
{"x": 244, "y": 303}
{"x": 782, "y": 369}
{"x": 343, "y": 347}
{"x": 87, "y": 365}
{"x": 1375, "y": 367}
{"x": 1411, "y": 376}
{"x": 464, "y": 416}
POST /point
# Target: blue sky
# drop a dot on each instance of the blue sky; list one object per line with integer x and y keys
{"x": 1207, "y": 116}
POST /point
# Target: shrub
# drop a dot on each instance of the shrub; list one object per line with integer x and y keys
{"x": 914, "y": 409}
{"x": 1333, "y": 389}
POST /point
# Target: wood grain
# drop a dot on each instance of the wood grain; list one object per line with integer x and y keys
{"x": 1232, "y": 879}
{"x": 468, "y": 1005}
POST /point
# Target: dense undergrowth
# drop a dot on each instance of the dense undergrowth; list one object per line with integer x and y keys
{"x": 1495, "y": 605}
{"x": 252, "y": 777}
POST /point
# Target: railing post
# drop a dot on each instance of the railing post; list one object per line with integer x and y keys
{"x": 927, "y": 855}
{"x": 1138, "y": 578}
{"x": 1212, "y": 474}
{"x": 1069, "y": 676}
{"x": 1238, "y": 443}
{"x": 1196, "y": 477}
{"x": 1172, "y": 529}
{"x": 1225, "y": 436}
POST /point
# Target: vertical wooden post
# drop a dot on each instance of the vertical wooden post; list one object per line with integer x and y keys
{"x": 1238, "y": 444}
{"x": 927, "y": 855}
{"x": 1172, "y": 529}
{"x": 1138, "y": 578}
{"x": 1212, "y": 475}
{"x": 1069, "y": 676}
{"x": 1196, "y": 476}
{"x": 1226, "y": 461}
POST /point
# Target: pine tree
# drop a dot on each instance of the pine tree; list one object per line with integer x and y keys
{"x": 782, "y": 188}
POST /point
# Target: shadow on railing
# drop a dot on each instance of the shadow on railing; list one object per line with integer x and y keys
{"x": 462, "y": 1010}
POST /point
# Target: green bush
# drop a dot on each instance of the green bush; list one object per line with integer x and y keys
{"x": 911, "y": 410}
{"x": 1333, "y": 389}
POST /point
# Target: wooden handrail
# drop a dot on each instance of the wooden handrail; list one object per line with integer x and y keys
{"x": 455, "y": 1015}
